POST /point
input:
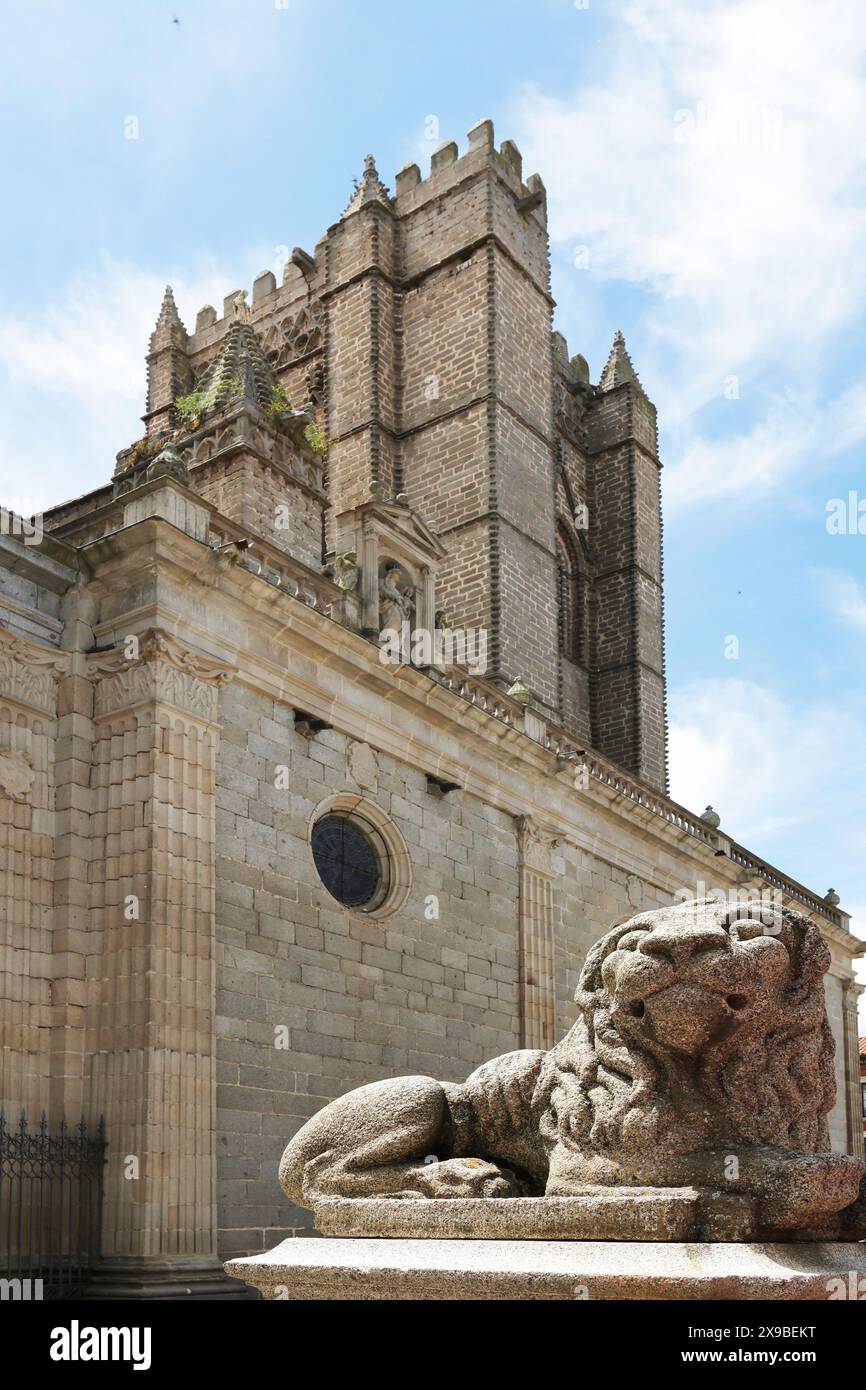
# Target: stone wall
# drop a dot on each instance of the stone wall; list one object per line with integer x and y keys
{"x": 27, "y": 742}
{"x": 431, "y": 989}
{"x": 314, "y": 999}
{"x": 37, "y": 998}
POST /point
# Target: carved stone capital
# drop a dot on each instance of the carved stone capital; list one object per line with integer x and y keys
{"x": 165, "y": 671}
{"x": 536, "y": 844}
{"x": 29, "y": 673}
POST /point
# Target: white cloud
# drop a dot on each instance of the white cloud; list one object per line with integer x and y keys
{"x": 765, "y": 764}
{"x": 73, "y": 377}
{"x": 787, "y": 782}
{"x": 750, "y": 233}
{"x": 845, "y": 597}
{"x": 706, "y": 469}
{"x": 794, "y": 434}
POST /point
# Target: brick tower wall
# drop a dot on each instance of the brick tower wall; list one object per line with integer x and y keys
{"x": 437, "y": 378}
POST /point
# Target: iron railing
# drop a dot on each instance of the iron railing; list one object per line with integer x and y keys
{"x": 50, "y": 1207}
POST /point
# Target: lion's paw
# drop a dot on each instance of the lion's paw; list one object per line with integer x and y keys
{"x": 467, "y": 1177}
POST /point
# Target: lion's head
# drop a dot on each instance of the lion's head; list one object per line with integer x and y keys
{"x": 701, "y": 1026}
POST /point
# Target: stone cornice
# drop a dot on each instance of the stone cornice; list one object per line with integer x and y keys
{"x": 847, "y": 944}
{"x": 156, "y": 644}
{"x": 34, "y": 617}
{"x": 52, "y": 564}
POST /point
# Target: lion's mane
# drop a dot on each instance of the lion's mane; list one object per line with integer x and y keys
{"x": 608, "y": 1093}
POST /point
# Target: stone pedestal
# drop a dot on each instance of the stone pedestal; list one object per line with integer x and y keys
{"x": 599, "y": 1213}
{"x": 311, "y": 1269}
{"x": 163, "y": 1280}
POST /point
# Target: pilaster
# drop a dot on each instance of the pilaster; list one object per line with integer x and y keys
{"x": 537, "y": 931}
{"x": 29, "y": 675}
{"x": 851, "y": 991}
{"x": 150, "y": 1007}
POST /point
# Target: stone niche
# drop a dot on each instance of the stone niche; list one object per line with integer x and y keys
{"x": 375, "y": 541}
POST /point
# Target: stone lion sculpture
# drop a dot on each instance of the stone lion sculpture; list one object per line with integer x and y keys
{"x": 701, "y": 1057}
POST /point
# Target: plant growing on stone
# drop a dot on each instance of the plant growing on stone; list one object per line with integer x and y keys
{"x": 280, "y": 404}
{"x": 192, "y": 407}
{"x": 316, "y": 438}
{"x": 146, "y": 447}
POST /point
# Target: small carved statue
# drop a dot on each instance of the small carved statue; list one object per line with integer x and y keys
{"x": 701, "y": 1057}
{"x": 346, "y": 570}
{"x": 396, "y": 604}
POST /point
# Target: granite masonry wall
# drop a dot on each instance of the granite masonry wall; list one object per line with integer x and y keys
{"x": 314, "y": 999}
{"x": 361, "y": 997}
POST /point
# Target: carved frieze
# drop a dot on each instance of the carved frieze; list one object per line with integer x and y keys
{"x": 29, "y": 673}
{"x": 164, "y": 671}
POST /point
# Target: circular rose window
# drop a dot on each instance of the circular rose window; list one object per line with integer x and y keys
{"x": 360, "y": 855}
{"x": 350, "y": 863}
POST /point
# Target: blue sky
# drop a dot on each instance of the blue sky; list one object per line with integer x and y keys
{"x": 705, "y": 169}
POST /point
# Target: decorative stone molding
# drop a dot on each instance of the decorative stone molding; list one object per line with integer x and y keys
{"x": 295, "y": 336}
{"x": 235, "y": 430}
{"x": 29, "y": 673}
{"x": 368, "y": 189}
{"x": 16, "y": 775}
{"x": 536, "y": 846}
{"x": 165, "y": 671}
{"x": 362, "y": 766}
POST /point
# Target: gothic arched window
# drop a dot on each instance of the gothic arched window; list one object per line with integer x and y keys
{"x": 571, "y": 598}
